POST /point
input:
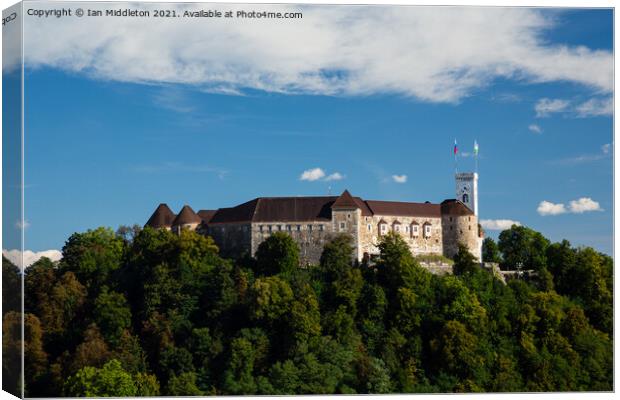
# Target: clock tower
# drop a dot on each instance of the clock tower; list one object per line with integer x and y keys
{"x": 467, "y": 189}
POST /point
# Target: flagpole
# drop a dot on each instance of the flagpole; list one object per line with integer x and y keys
{"x": 456, "y": 150}
{"x": 476, "y": 149}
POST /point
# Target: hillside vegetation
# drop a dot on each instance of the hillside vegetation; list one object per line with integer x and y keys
{"x": 147, "y": 312}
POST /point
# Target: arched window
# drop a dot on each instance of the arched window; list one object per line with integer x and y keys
{"x": 465, "y": 198}
{"x": 415, "y": 231}
{"x": 427, "y": 230}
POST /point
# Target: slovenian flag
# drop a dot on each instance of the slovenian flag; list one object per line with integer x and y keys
{"x": 475, "y": 148}
{"x": 456, "y": 148}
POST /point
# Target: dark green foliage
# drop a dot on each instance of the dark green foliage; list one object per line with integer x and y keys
{"x": 112, "y": 315}
{"x": 146, "y": 312}
{"x": 278, "y": 254}
{"x": 490, "y": 251}
{"x": 523, "y": 248}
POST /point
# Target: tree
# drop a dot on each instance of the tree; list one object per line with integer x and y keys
{"x": 109, "y": 381}
{"x": 11, "y": 287}
{"x": 278, "y": 254}
{"x": 112, "y": 314}
{"x": 183, "y": 385}
{"x": 523, "y": 248}
{"x": 464, "y": 261}
{"x": 490, "y": 251}
{"x": 270, "y": 298}
{"x": 93, "y": 256}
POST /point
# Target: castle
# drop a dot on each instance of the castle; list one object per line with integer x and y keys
{"x": 312, "y": 221}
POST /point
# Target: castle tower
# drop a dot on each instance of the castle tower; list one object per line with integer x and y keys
{"x": 467, "y": 189}
{"x": 187, "y": 219}
{"x": 346, "y": 216}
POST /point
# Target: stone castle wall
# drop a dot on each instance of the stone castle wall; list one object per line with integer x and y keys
{"x": 310, "y": 236}
{"x": 233, "y": 240}
{"x": 460, "y": 229}
{"x": 370, "y": 233}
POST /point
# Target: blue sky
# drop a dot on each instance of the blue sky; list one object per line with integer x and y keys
{"x": 104, "y": 146}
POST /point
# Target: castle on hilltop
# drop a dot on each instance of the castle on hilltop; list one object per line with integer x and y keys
{"x": 312, "y": 221}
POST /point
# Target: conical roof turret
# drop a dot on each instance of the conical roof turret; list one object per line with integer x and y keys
{"x": 186, "y": 216}
{"x": 162, "y": 217}
{"x": 345, "y": 200}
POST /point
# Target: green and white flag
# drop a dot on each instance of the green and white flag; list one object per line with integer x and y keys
{"x": 475, "y": 148}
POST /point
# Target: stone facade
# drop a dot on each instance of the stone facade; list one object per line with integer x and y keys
{"x": 428, "y": 229}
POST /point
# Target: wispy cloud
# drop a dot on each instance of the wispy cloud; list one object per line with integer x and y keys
{"x": 173, "y": 99}
{"x": 344, "y": 51}
{"x": 316, "y": 174}
{"x": 498, "y": 224}
{"x": 579, "y": 206}
{"x": 545, "y": 107}
{"x": 584, "y": 158}
{"x": 535, "y": 128}
{"x": 336, "y": 176}
{"x": 22, "y": 224}
{"x": 175, "y": 167}
{"x": 595, "y": 107}
{"x": 399, "y": 178}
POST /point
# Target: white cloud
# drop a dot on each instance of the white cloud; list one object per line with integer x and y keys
{"x": 535, "y": 128}
{"x": 22, "y": 224}
{"x": 596, "y": 107}
{"x": 606, "y": 148}
{"x": 312, "y": 175}
{"x": 545, "y": 107}
{"x": 547, "y": 208}
{"x": 30, "y": 257}
{"x": 399, "y": 178}
{"x": 498, "y": 224}
{"x": 336, "y": 176}
{"x": 584, "y": 204}
{"x": 343, "y": 53}
{"x": 316, "y": 174}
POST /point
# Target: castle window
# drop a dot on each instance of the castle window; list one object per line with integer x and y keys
{"x": 465, "y": 198}
{"x": 397, "y": 228}
{"x": 279, "y": 227}
{"x": 270, "y": 228}
{"x": 470, "y": 227}
{"x": 298, "y": 227}
{"x": 343, "y": 226}
{"x": 415, "y": 230}
{"x": 289, "y": 228}
{"x": 469, "y": 219}
{"x": 348, "y": 216}
{"x": 310, "y": 228}
{"x": 369, "y": 228}
{"x": 321, "y": 228}
{"x": 427, "y": 230}
{"x": 260, "y": 228}
{"x": 383, "y": 229}
{"x": 450, "y": 219}
{"x": 406, "y": 229}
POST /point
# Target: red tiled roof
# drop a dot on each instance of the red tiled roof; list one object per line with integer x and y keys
{"x": 206, "y": 215}
{"x": 186, "y": 216}
{"x": 403, "y": 209}
{"x": 345, "y": 200}
{"x": 455, "y": 207}
{"x": 162, "y": 217}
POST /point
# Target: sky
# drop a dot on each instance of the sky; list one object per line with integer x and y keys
{"x": 369, "y": 99}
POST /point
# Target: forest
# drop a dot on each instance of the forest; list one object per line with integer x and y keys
{"x": 145, "y": 312}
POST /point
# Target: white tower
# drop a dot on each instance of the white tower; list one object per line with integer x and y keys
{"x": 467, "y": 189}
